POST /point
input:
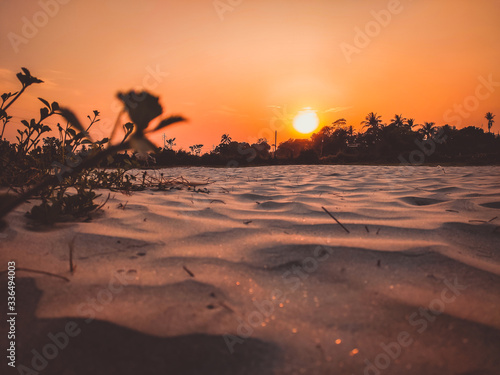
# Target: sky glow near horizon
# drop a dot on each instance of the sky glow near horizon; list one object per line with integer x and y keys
{"x": 246, "y": 67}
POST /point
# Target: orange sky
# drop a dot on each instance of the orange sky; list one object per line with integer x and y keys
{"x": 228, "y": 69}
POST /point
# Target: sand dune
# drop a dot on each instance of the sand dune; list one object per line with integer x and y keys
{"x": 254, "y": 277}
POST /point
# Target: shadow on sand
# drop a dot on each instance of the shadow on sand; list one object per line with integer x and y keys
{"x": 103, "y": 348}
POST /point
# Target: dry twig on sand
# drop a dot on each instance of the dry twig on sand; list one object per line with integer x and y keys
{"x": 71, "y": 248}
{"x": 333, "y": 217}
{"x": 188, "y": 271}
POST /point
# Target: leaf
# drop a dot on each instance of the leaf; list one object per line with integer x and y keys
{"x": 55, "y": 106}
{"x": 21, "y": 78}
{"x": 27, "y": 79}
{"x": 44, "y": 113}
{"x": 96, "y": 113}
{"x": 86, "y": 142}
{"x": 46, "y": 128}
{"x": 142, "y": 107}
{"x": 44, "y": 102}
{"x": 71, "y": 132}
{"x": 73, "y": 121}
{"x": 25, "y": 123}
{"x": 169, "y": 121}
{"x": 103, "y": 141}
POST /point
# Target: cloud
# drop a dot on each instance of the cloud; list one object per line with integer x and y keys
{"x": 227, "y": 111}
{"x": 337, "y": 109}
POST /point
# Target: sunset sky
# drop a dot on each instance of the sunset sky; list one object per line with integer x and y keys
{"x": 236, "y": 67}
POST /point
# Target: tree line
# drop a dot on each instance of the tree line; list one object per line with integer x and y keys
{"x": 376, "y": 143}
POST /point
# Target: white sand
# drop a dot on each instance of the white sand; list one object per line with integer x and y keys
{"x": 261, "y": 232}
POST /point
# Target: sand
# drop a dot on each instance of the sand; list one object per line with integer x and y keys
{"x": 252, "y": 276}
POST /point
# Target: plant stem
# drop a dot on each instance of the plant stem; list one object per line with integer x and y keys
{"x": 9, "y": 104}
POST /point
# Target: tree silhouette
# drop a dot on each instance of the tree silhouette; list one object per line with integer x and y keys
{"x": 225, "y": 139}
{"x": 373, "y": 123}
{"x": 410, "y": 123}
{"x": 427, "y": 129}
{"x": 196, "y": 149}
{"x": 170, "y": 143}
{"x": 398, "y": 121}
{"x": 341, "y": 122}
{"x": 490, "y": 116}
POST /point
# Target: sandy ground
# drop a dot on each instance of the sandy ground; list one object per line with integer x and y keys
{"x": 254, "y": 277}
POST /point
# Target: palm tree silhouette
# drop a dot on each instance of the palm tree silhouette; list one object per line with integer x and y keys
{"x": 490, "y": 116}
{"x": 398, "y": 121}
{"x": 372, "y": 122}
{"x": 225, "y": 139}
{"x": 410, "y": 123}
{"x": 339, "y": 123}
{"x": 427, "y": 129}
{"x": 170, "y": 143}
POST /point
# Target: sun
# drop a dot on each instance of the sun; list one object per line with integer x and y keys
{"x": 306, "y": 121}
